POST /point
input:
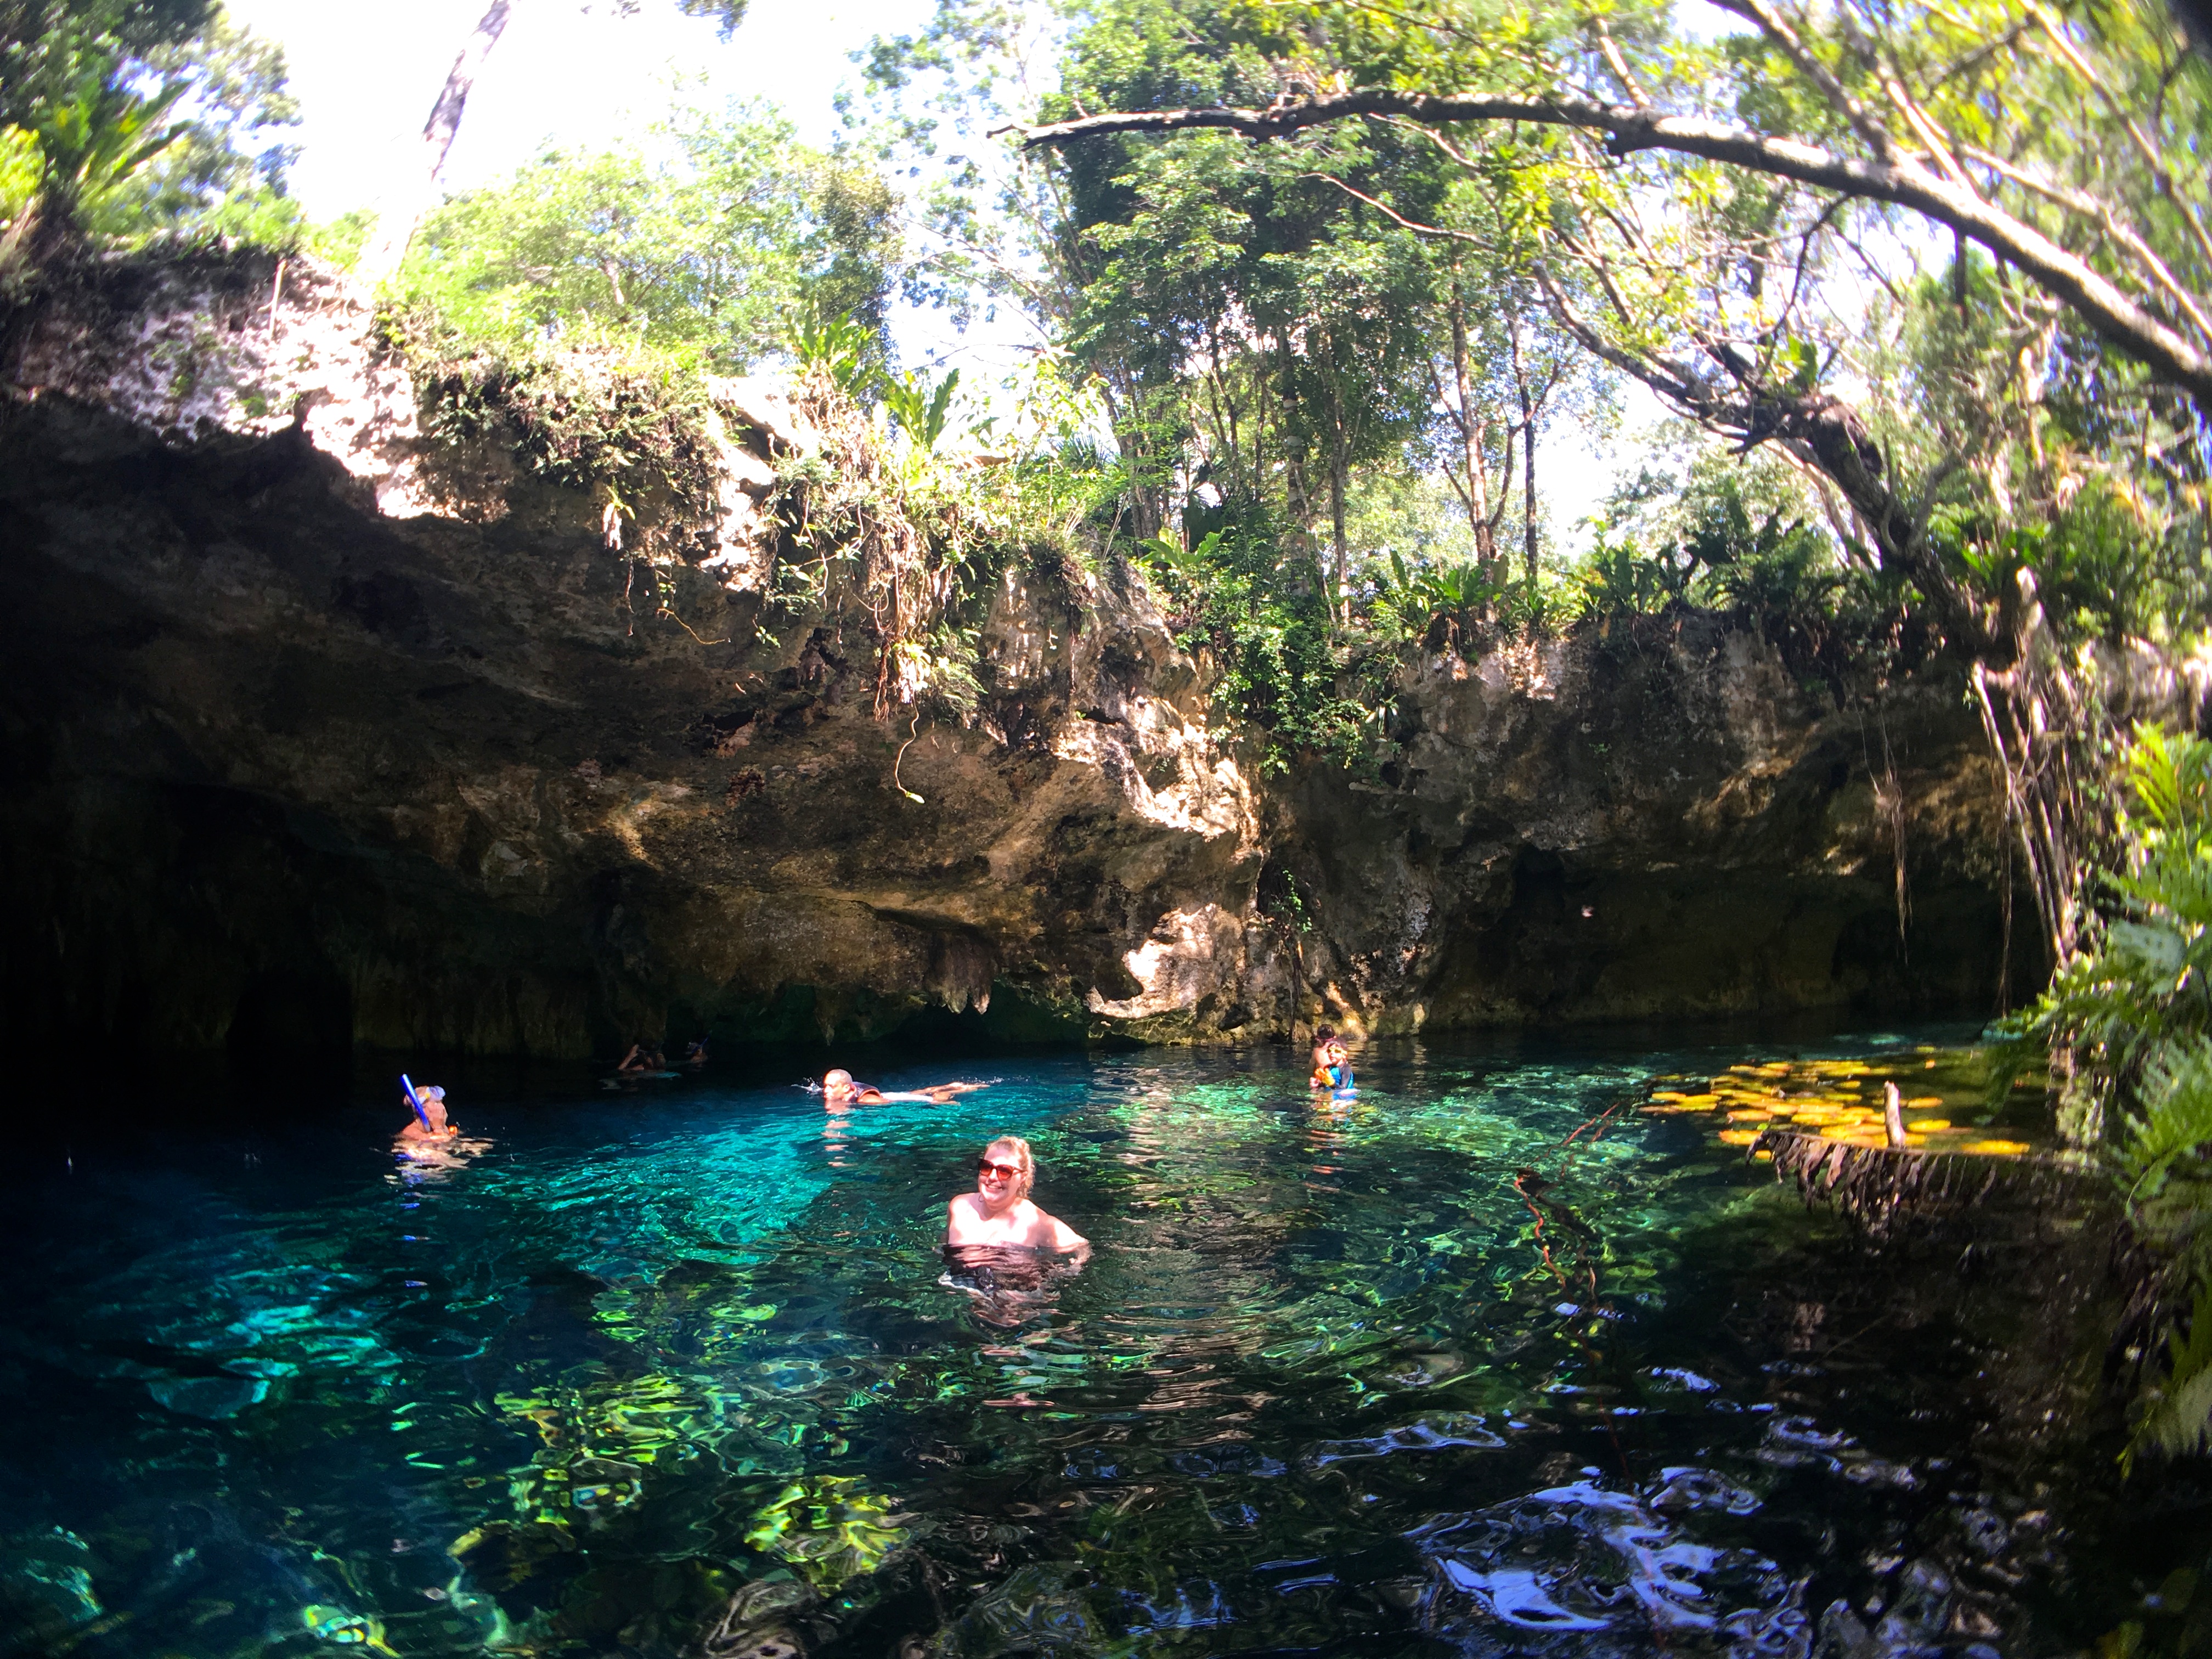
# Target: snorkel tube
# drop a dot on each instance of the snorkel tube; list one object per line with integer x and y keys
{"x": 407, "y": 1089}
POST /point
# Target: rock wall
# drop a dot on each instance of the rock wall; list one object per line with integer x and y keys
{"x": 325, "y": 734}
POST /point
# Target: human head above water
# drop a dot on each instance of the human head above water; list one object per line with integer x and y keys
{"x": 1013, "y": 1149}
{"x": 837, "y": 1082}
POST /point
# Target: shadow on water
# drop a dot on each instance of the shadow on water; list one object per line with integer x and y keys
{"x": 1463, "y": 1364}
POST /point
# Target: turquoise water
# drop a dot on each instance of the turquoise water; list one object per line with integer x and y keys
{"x": 681, "y": 1371}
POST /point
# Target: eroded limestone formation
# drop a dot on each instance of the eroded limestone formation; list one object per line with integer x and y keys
{"x": 326, "y": 729}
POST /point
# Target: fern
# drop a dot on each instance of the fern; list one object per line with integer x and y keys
{"x": 2176, "y": 1419}
{"x": 2176, "y": 1119}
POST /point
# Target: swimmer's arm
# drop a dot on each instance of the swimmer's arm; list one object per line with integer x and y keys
{"x": 957, "y": 1215}
{"x": 1065, "y": 1238}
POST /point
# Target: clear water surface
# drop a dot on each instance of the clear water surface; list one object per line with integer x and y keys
{"x": 681, "y": 1371}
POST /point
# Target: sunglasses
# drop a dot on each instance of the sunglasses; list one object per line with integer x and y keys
{"x": 1004, "y": 1171}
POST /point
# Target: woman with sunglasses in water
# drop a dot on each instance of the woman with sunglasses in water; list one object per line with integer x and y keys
{"x": 998, "y": 1212}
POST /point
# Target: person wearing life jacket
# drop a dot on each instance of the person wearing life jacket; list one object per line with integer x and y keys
{"x": 1332, "y": 1063}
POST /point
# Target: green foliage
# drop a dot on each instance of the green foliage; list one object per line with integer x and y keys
{"x": 131, "y": 117}
{"x": 1261, "y": 622}
{"x": 700, "y": 242}
{"x": 225, "y": 175}
{"x": 1618, "y": 578}
{"x": 1414, "y": 598}
{"x": 1729, "y": 535}
{"x": 2150, "y": 985}
{"x": 633, "y": 420}
{"x": 44, "y": 43}
{"x": 2140, "y": 1007}
{"x": 836, "y": 346}
{"x": 919, "y": 410}
{"x": 92, "y": 132}
{"x": 2115, "y": 561}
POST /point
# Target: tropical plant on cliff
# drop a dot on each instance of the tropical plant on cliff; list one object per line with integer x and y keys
{"x": 122, "y": 119}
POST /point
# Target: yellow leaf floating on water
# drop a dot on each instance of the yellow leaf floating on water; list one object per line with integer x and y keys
{"x": 1763, "y": 1155}
{"x": 1996, "y": 1148}
{"x": 1926, "y": 1100}
{"x": 1750, "y": 1114}
{"x": 1930, "y": 1125}
{"x": 1739, "y": 1137}
{"x": 1667, "y": 1094}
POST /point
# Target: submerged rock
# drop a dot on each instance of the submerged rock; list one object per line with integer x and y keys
{"x": 326, "y": 732}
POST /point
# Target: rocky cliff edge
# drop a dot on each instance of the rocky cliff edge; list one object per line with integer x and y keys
{"x": 329, "y": 728}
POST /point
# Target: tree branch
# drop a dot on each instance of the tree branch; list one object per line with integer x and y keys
{"x": 1903, "y": 182}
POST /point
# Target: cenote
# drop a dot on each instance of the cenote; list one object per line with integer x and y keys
{"x": 1465, "y": 1364}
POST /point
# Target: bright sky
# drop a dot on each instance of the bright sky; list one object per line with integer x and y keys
{"x": 563, "y": 70}
{"x": 574, "y": 73}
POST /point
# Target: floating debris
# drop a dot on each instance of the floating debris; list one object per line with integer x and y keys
{"x": 1848, "y": 1133}
{"x": 1846, "y": 1101}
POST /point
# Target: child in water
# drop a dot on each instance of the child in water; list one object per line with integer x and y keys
{"x": 1332, "y": 1063}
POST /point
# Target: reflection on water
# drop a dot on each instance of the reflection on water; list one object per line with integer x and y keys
{"x": 1471, "y": 1363}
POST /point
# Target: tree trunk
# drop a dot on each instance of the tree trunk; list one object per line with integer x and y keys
{"x": 1470, "y": 439}
{"x": 413, "y": 195}
{"x": 1528, "y": 442}
{"x": 1340, "y": 603}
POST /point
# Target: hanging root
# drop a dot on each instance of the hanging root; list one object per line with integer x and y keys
{"x": 1877, "y": 1187}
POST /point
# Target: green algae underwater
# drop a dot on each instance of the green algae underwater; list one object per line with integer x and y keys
{"x": 1482, "y": 1361}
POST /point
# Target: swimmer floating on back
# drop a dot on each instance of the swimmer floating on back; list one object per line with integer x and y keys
{"x": 838, "y": 1088}
{"x": 636, "y": 1062}
{"x": 998, "y": 1212}
{"x": 1332, "y": 1063}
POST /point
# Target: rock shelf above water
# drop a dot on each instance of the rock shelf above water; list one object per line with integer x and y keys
{"x": 325, "y": 735}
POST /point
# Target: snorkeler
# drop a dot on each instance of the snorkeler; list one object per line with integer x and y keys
{"x": 430, "y": 1142}
{"x": 838, "y": 1087}
{"x": 429, "y": 1124}
{"x": 635, "y": 1060}
{"x": 695, "y": 1053}
{"x": 1332, "y": 1063}
{"x": 998, "y": 1212}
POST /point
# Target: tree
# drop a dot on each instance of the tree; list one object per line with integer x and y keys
{"x": 1685, "y": 239}
{"x": 700, "y": 243}
{"x": 413, "y": 193}
{"x": 2090, "y": 190}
